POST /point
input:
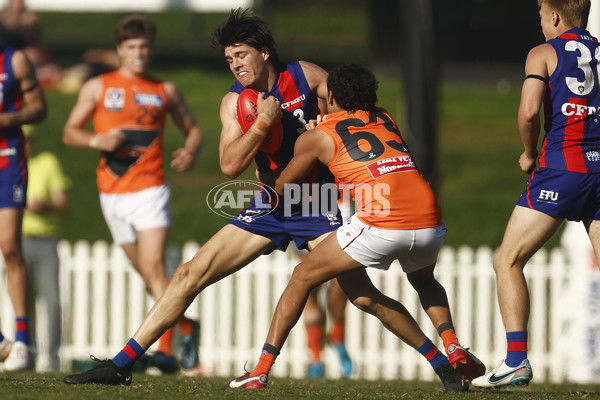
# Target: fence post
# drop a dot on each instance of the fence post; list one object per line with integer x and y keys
{"x": 582, "y": 318}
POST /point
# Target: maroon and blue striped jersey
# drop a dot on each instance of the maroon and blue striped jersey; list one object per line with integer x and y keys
{"x": 572, "y": 105}
{"x": 13, "y": 165}
{"x": 299, "y": 106}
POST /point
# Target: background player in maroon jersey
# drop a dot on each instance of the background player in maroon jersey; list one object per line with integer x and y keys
{"x": 19, "y": 85}
{"x": 565, "y": 72}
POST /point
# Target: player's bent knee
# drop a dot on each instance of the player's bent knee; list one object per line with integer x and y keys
{"x": 183, "y": 279}
{"x": 503, "y": 263}
{"x": 364, "y": 303}
{"x": 423, "y": 283}
{"x": 10, "y": 252}
{"x": 303, "y": 280}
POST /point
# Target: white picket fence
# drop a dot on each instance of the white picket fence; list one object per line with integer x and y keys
{"x": 104, "y": 301}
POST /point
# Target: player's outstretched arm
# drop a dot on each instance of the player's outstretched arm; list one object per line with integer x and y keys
{"x": 312, "y": 146}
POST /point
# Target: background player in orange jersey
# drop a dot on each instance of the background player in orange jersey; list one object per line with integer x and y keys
{"x": 363, "y": 148}
{"x": 129, "y": 108}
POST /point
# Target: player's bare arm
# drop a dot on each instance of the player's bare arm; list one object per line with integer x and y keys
{"x": 532, "y": 96}
{"x": 237, "y": 150}
{"x": 184, "y": 157}
{"x": 33, "y": 95}
{"x": 310, "y": 147}
{"x": 74, "y": 133}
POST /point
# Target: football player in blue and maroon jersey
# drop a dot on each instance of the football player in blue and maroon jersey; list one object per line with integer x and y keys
{"x": 22, "y": 102}
{"x": 563, "y": 74}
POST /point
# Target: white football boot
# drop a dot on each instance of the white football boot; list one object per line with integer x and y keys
{"x": 505, "y": 376}
{"x": 19, "y": 359}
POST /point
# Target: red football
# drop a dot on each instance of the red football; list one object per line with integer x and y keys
{"x": 246, "y": 115}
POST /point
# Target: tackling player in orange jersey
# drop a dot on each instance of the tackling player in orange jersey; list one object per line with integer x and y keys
{"x": 129, "y": 108}
{"x": 398, "y": 218}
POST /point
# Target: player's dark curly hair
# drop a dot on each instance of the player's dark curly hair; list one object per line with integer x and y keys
{"x": 353, "y": 87}
{"x": 135, "y": 26}
{"x": 243, "y": 27}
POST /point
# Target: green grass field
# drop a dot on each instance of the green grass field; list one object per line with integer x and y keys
{"x": 51, "y": 387}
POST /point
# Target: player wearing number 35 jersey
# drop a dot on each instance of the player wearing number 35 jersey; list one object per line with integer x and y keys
{"x": 563, "y": 75}
{"x": 573, "y": 105}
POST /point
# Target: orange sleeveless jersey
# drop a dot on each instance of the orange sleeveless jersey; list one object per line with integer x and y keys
{"x": 371, "y": 157}
{"x": 138, "y": 106}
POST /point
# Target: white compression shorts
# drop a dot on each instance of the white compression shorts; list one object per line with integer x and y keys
{"x": 415, "y": 249}
{"x": 127, "y": 213}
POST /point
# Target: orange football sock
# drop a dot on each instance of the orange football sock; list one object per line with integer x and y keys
{"x": 449, "y": 337}
{"x": 165, "y": 342}
{"x": 265, "y": 362}
{"x": 186, "y": 326}
{"x": 337, "y": 332}
{"x": 314, "y": 336}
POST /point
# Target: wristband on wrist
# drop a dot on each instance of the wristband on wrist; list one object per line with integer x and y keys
{"x": 261, "y": 127}
{"x": 94, "y": 141}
